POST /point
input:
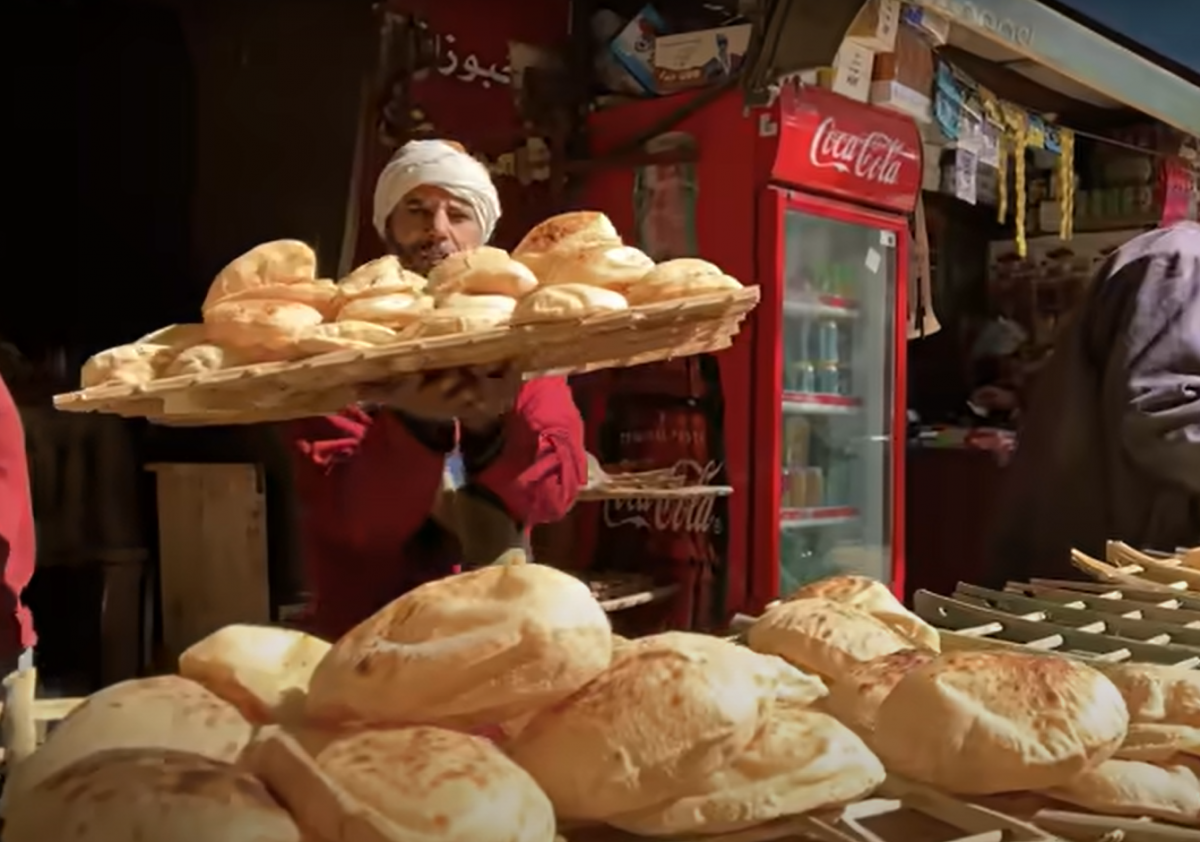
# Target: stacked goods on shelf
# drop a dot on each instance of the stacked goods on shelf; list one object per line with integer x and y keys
{"x": 1116, "y": 739}
{"x": 572, "y": 296}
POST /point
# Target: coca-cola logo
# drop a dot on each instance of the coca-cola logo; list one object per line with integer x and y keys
{"x": 671, "y": 514}
{"x": 876, "y": 156}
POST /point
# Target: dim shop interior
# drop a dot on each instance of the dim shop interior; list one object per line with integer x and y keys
{"x": 181, "y": 163}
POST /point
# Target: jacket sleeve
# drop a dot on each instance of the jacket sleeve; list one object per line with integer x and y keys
{"x": 1160, "y": 427}
{"x": 537, "y": 465}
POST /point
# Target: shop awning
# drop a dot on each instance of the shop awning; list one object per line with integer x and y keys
{"x": 1164, "y": 28}
{"x": 1040, "y": 34}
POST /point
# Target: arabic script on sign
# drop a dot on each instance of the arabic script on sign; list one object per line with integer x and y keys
{"x": 679, "y": 514}
{"x": 469, "y": 68}
{"x": 873, "y": 157}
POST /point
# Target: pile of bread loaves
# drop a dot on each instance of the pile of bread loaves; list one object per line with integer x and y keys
{"x": 492, "y": 705}
{"x": 269, "y": 305}
{"x": 484, "y": 707}
{"x": 1120, "y": 739}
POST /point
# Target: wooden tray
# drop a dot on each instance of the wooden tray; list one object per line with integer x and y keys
{"x": 1124, "y": 565}
{"x": 326, "y": 383}
{"x": 902, "y": 811}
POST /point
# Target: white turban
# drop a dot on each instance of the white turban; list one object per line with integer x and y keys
{"x": 438, "y": 164}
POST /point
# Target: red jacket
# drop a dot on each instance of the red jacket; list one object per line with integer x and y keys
{"x": 366, "y": 483}
{"x": 17, "y": 537}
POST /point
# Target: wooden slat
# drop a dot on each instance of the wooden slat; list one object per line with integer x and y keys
{"x": 1157, "y": 612}
{"x": 1133, "y": 629}
{"x": 949, "y": 613}
{"x": 1136, "y": 592}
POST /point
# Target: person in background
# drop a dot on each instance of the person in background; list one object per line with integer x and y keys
{"x": 1109, "y": 445}
{"x": 375, "y": 515}
{"x": 17, "y": 541}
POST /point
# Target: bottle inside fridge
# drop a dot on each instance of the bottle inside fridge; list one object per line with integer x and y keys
{"x": 836, "y": 425}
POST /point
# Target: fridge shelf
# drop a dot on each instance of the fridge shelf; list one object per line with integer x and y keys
{"x": 812, "y": 518}
{"x": 816, "y": 403}
{"x": 825, "y": 307}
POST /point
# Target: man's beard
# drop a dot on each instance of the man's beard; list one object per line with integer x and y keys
{"x": 422, "y": 257}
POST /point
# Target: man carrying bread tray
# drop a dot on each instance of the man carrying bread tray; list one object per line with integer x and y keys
{"x": 378, "y": 512}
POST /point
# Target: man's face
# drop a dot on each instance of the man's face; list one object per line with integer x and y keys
{"x": 430, "y": 224}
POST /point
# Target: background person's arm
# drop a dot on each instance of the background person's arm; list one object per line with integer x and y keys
{"x": 1159, "y": 371}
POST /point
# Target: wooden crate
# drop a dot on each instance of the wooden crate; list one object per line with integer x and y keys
{"x": 212, "y": 534}
{"x": 326, "y": 383}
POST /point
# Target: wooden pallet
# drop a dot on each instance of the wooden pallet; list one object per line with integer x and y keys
{"x": 328, "y": 382}
{"x": 902, "y": 811}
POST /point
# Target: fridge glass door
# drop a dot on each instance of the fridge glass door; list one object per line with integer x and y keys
{"x": 838, "y": 380}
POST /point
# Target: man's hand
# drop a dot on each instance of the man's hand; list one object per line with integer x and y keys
{"x": 476, "y": 396}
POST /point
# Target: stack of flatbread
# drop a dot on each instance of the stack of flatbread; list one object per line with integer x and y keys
{"x": 584, "y": 269}
{"x": 268, "y": 305}
{"x": 1117, "y": 739}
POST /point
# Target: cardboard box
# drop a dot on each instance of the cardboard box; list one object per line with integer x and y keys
{"x": 850, "y": 75}
{"x": 876, "y": 25}
{"x": 933, "y": 26}
{"x": 695, "y": 59}
{"x": 903, "y": 78}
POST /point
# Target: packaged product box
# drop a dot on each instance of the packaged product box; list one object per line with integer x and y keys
{"x": 850, "y": 75}
{"x": 876, "y": 25}
{"x": 903, "y": 78}
{"x": 696, "y": 59}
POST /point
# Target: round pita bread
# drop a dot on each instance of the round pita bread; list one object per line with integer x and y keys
{"x": 1157, "y": 694}
{"x": 131, "y": 365}
{"x": 672, "y": 710}
{"x": 320, "y": 295}
{"x": 452, "y": 320}
{"x": 684, "y": 277}
{"x": 1168, "y": 791}
{"x": 823, "y": 637}
{"x": 393, "y": 310}
{"x": 408, "y": 785}
{"x": 383, "y": 276}
{"x": 263, "y": 670}
{"x": 167, "y": 712}
{"x": 345, "y": 335}
{"x": 858, "y": 692}
{"x": 613, "y": 267}
{"x": 258, "y": 324}
{"x": 130, "y": 794}
{"x": 981, "y": 723}
{"x": 567, "y": 301}
{"x": 477, "y": 648}
{"x": 207, "y": 357}
{"x": 799, "y": 761}
{"x": 876, "y": 599}
{"x": 481, "y": 271}
{"x": 1154, "y": 743}
{"x": 563, "y": 234}
{"x": 278, "y": 262}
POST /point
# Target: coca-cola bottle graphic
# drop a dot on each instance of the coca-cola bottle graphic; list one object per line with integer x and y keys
{"x": 669, "y": 415}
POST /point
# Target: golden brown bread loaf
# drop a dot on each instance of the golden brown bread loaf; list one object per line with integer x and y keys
{"x": 564, "y": 234}
{"x": 262, "y": 670}
{"x": 1157, "y": 693}
{"x": 132, "y": 365}
{"x": 481, "y": 271}
{"x": 612, "y": 267}
{"x": 856, "y": 694}
{"x": 321, "y": 295}
{"x": 823, "y": 637}
{"x": 982, "y": 723}
{"x": 259, "y": 325}
{"x": 279, "y": 262}
{"x": 382, "y": 276}
{"x": 394, "y": 310}
{"x": 1156, "y": 742}
{"x": 345, "y": 335}
{"x": 875, "y": 598}
{"x": 684, "y": 277}
{"x": 167, "y": 712}
{"x": 121, "y": 795}
{"x": 799, "y": 761}
{"x": 472, "y": 649}
{"x": 567, "y": 301}
{"x": 672, "y": 710}
{"x": 1169, "y": 791}
{"x": 416, "y": 784}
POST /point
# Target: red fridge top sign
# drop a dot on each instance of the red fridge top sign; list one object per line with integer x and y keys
{"x": 829, "y": 144}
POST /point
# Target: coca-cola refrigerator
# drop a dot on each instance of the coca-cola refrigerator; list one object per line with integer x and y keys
{"x": 804, "y": 416}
